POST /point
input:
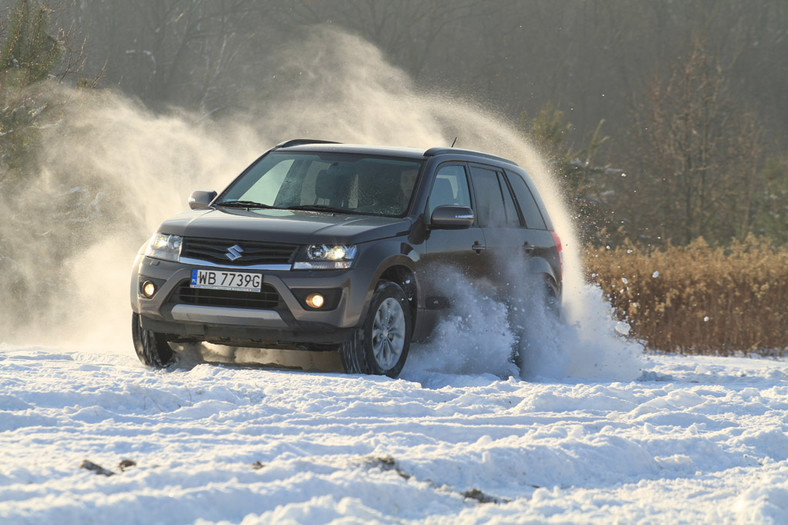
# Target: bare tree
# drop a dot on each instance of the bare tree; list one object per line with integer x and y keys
{"x": 698, "y": 154}
{"x": 410, "y": 32}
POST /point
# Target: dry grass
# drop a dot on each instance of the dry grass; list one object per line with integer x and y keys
{"x": 699, "y": 299}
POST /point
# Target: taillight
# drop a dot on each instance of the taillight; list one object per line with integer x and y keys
{"x": 559, "y": 248}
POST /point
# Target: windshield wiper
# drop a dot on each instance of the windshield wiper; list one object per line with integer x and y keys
{"x": 243, "y": 204}
{"x": 320, "y": 207}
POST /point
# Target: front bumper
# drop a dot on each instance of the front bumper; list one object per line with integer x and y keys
{"x": 286, "y": 321}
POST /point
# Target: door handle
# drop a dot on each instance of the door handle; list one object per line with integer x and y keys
{"x": 478, "y": 247}
{"x": 529, "y": 248}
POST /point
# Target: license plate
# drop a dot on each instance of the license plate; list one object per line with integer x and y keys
{"x": 225, "y": 280}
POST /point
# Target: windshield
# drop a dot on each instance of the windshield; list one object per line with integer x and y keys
{"x": 343, "y": 183}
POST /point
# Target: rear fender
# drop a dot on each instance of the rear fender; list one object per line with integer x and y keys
{"x": 539, "y": 266}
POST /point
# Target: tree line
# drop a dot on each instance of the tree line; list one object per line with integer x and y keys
{"x": 665, "y": 120}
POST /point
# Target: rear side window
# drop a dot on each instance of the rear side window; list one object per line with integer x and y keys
{"x": 531, "y": 214}
{"x": 489, "y": 199}
{"x": 495, "y": 204}
{"x": 512, "y": 217}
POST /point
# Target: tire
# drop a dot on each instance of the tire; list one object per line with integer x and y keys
{"x": 381, "y": 345}
{"x": 548, "y": 314}
{"x": 552, "y": 304}
{"x": 151, "y": 347}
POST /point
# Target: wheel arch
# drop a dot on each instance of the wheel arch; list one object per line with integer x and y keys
{"x": 405, "y": 277}
{"x": 540, "y": 267}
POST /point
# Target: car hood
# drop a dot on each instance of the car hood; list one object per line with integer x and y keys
{"x": 284, "y": 226}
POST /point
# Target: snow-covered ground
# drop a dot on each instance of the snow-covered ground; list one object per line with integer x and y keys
{"x": 692, "y": 439}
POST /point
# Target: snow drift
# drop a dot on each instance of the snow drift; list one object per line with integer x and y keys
{"x": 699, "y": 440}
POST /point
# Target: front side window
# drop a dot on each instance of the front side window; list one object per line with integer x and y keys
{"x": 449, "y": 189}
{"x": 348, "y": 183}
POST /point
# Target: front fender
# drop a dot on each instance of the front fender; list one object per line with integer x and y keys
{"x": 374, "y": 262}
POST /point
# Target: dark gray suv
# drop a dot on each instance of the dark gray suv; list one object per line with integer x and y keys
{"x": 326, "y": 246}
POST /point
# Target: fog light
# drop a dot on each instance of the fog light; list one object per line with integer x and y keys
{"x": 148, "y": 289}
{"x": 315, "y": 300}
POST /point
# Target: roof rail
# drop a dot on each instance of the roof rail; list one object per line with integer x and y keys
{"x": 432, "y": 152}
{"x": 298, "y": 142}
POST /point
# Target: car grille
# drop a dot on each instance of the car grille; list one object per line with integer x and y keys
{"x": 251, "y": 253}
{"x": 266, "y": 299}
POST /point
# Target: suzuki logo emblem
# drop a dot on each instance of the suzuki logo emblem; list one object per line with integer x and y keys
{"x": 234, "y": 252}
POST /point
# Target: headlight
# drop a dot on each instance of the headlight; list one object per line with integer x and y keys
{"x": 163, "y": 246}
{"x": 326, "y": 257}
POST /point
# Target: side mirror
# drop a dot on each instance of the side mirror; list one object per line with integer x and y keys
{"x": 199, "y": 200}
{"x": 451, "y": 218}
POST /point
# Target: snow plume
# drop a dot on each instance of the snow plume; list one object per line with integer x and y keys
{"x": 108, "y": 172}
{"x": 578, "y": 341}
{"x": 127, "y": 169}
{"x": 474, "y": 338}
{"x": 520, "y": 335}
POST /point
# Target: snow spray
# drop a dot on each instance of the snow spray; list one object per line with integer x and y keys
{"x": 139, "y": 167}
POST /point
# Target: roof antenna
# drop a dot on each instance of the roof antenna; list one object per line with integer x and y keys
{"x": 453, "y": 143}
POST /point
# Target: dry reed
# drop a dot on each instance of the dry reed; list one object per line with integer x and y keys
{"x": 699, "y": 299}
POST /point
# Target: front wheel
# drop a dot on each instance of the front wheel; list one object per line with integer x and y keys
{"x": 381, "y": 345}
{"x": 152, "y": 347}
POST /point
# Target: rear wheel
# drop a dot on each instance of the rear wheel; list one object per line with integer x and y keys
{"x": 381, "y": 345}
{"x": 552, "y": 303}
{"x": 533, "y": 320}
{"x": 152, "y": 347}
